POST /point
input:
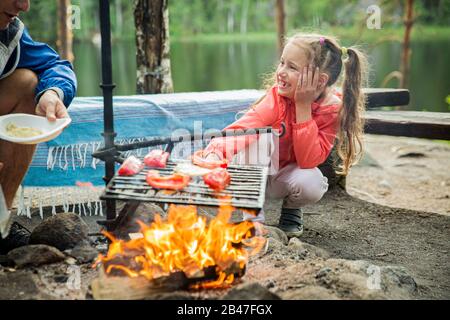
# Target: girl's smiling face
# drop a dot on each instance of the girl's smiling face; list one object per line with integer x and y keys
{"x": 292, "y": 61}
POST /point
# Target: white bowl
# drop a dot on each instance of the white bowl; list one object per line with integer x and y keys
{"x": 50, "y": 130}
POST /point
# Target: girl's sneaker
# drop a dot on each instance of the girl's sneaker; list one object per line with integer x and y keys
{"x": 291, "y": 222}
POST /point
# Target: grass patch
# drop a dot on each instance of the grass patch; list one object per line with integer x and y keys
{"x": 420, "y": 33}
{"x": 226, "y": 37}
{"x": 447, "y": 142}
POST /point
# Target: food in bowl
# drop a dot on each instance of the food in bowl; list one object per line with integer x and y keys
{"x": 21, "y": 132}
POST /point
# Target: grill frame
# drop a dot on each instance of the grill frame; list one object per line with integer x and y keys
{"x": 247, "y": 188}
{"x": 111, "y": 152}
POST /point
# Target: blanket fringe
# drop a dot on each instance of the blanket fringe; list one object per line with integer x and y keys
{"x": 82, "y": 202}
{"x": 80, "y": 155}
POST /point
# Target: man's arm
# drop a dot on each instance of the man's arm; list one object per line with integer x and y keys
{"x": 54, "y": 74}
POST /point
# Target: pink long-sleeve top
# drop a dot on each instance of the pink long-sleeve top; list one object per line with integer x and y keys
{"x": 306, "y": 143}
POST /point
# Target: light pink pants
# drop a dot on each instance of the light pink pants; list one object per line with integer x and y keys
{"x": 297, "y": 187}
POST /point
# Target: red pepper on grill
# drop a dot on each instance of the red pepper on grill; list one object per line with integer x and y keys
{"x": 199, "y": 160}
{"x": 130, "y": 166}
{"x": 156, "y": 159}
{"x": 218, "y": 179}
{"x": 173, "y": 182}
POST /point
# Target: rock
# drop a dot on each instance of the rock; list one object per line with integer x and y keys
{"x": 364, "y": 280}
{"x": 356, "y": 286}
{"x": 396, "y": 278}
{"x": 277, "y": 234}
{"x": 310, "y": 293}
{"x": 20, "y": 285}
{"x": 306, "y": 249}
{"x": 323, "y": 272}
{"x": 83, "y": 252}
{"x": 270, "y": 284}
{"x": 250, "y": 291}
{"x": 5, "y": 261}
{"x": 273, "y": 247}
{"x": 412, "y": 155}
{"x": 176, "y": 295}
{"x": 62, "y": 231}
{"x": 70, "y": 261}
{"x": 145, "y": 213}
{"x": 35, "y": 255}
{"x": 61, "y": 278}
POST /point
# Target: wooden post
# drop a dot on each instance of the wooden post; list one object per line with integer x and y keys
{"x": 65, "y": 36}
{"x": 151, "y": 19}
{"x": 280, "y": 21}
{"x": 406, "y": 54}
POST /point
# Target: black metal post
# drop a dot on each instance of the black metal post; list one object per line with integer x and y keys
{"x": 107, "y": 87}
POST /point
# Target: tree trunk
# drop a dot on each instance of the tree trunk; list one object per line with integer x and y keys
{"x": 280, "y": 21}
{"x": 65, "y": 36}
{"x": 244, "y": 16}
{"x": 230, "y": 22}
{"x": 406, "y": 54}
{"x": 119, "y": 17}
{"x": 152, "y": 47}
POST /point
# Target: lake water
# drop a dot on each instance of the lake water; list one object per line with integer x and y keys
{"x": 205, "y": 66}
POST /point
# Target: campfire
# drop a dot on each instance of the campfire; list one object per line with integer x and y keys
{"x": 205, "y": 254}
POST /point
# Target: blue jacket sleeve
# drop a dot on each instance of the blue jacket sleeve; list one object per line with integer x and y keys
{"x": 50, "y": 69}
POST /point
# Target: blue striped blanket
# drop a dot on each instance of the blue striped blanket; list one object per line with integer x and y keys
{"x": 68, "y": 158}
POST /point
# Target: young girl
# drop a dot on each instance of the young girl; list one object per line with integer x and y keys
{"x": 302, "y": 97}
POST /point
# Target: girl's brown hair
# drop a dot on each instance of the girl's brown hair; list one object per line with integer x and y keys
{"x": 325, "y": 53}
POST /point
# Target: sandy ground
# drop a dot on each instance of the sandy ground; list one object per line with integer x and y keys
{"x": 404, "y": 173}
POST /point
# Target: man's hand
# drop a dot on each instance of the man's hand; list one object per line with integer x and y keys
{"x": 51, "y": 106}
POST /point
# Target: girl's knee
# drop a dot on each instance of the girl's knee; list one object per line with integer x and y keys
{"x": 309, "y": 188}
{"x": 314, "y": 194}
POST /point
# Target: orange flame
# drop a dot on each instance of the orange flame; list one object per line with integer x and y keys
{"x": 185, "y": 242}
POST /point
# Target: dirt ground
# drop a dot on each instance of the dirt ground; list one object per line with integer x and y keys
{"x": 396, "y": 213}
{"x": 367, "y": 223}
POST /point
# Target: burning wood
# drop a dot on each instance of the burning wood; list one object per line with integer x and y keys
{"x": 201, "y": 255}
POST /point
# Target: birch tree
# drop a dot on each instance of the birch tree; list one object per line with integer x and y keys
{"x": 64, "y": 35}
{"x": 152, "y": 47}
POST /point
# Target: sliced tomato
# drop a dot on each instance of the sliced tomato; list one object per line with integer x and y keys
{"x": 156, "y": 159}
{"x": 173, "y": 182}
{"x": 218, "y": 179}
{"x": 199, "y": 160}
{"x": 130, "y": 166}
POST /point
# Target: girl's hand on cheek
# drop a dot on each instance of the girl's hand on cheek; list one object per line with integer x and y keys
{"x": 306, "y": 91}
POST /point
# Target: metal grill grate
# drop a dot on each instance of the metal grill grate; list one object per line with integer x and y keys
{"x": 247, "y": 188}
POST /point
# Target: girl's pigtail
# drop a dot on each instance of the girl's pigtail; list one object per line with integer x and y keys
{"x": 350, "y": 142}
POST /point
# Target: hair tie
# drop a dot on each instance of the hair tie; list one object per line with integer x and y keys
{"x": 344, "y": 51}
{"x": 322, "y": 41}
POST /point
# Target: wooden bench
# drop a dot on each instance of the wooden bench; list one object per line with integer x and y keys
{"x": 429, "y": 125}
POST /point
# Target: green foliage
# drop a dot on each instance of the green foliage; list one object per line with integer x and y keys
{"x": 194, "y": 17}
{"x": 41, "y": 20}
